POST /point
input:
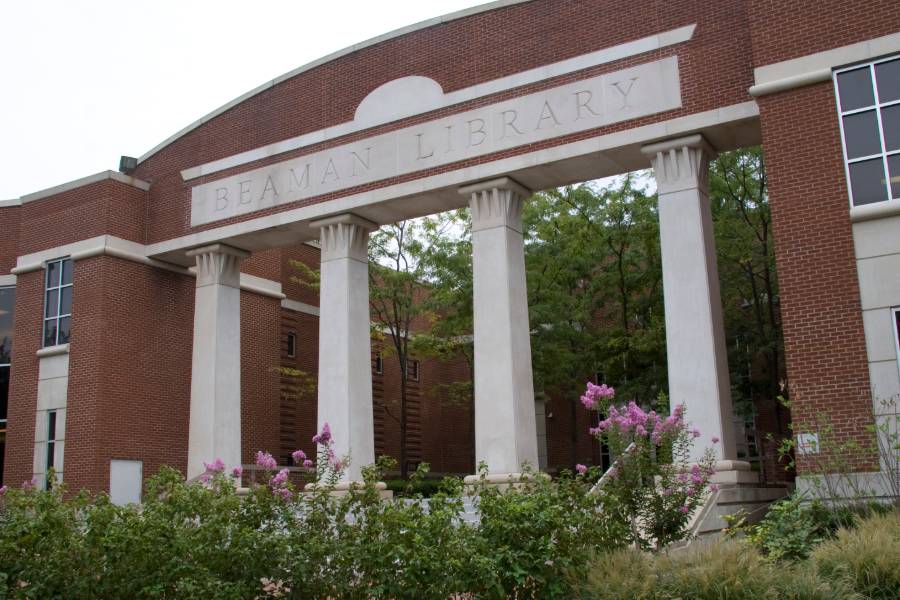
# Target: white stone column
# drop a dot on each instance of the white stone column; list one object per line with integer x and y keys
{"x": 345, "y": 371}
{"x": 695, "y": 333}
{"x": 215, "y": 421}
{"x": 505, "y": 429}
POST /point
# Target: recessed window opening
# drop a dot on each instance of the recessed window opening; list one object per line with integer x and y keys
{"x": 57, "y": 302}
{"x": 51, "y": 444}
{"x": 896, "y": 315}
{"x": 868, "y": 98}
{"x": 291, "y": 344}
{"x": 379, "y": 364}
{"x": 413, "y": 370}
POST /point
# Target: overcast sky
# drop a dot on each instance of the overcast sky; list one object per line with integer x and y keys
{"x": 84, "y": 82}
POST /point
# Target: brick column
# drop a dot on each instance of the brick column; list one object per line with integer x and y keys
{"x": 505, "y": 429}
{"x": 215, "y": 421}
{"x": 345, "y": 371}
{"x": 695, "y": 333}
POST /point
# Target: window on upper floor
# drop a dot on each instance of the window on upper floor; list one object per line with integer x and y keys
{"x": 379, "y": 364}
{"x": 413, "y": 370}
{"x": 57, "y": 301}
{"x": 897, "y": 333}
{"x": 868, "y": 99}
{"x": 291, "y": 344}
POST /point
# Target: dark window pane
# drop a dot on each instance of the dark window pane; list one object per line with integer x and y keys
{"x": 887, "y": 75}
{"x": 67, "y": 271}
{"x": 50, "y": 452}
{"x": 291, "y": 344}
{"x": 890, "y": 125}
{"x": 65, "y": 301}
{"x": 856, "y": 89}
{"x": 4, "y": 392}
{"x": 861, "y": 134}
{"x": 51, "y": 303}
{"x": 52, "y": 274}
{"x": 50, "y": 332}
{"x": 64, "y": 324}
{"x": 867, "y": 182}
{"x": 51, "y": 425}
{"x": 894, "y": 168}
{"x": 7, "y": 306}
{"x": 897, "y": 315}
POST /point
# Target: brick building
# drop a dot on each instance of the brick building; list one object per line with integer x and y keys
{"x": 147, "y": 309}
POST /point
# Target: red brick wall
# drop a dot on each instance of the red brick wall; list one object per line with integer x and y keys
{"x": 24, "y": 378}
{"x": 715, "y": 71}
{"x": 260, "y": 381}
{"x": 9, "y": 237}
{"x": 105, "y": 207}
{"x": 820, "y": 306}
{"x": 784, "y": 30}
{"x": 129, "y": 369}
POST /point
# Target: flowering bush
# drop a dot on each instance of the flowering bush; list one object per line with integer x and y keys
{"x": 654, "y": 485}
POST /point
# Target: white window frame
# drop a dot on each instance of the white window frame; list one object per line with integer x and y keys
{"x": 878, "y": 106}
{"x": 59, "y": 287}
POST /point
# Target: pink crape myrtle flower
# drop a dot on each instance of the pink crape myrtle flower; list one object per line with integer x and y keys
{"x": 684, "y": 510}
{"x": 280, "y": 478}
{"x": 29, "y": 484}
{"x": 308, "y": 463}
{"x": 324, "y": 436}
{"x": 594, "y": 393}
{"x": 581, "y": 469}
{"x": 713, "y": 487}
{"x": 216, "y": 466}
{"x": 3, "y": 490}
{"x": 283, "y": 493}
{"x": 266, "y": 461}
{"x": 237, "y": 471}
{"x": 299, "y": 456}
{"x": 714, "y": 440}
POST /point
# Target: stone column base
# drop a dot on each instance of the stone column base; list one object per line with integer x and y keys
{"x": 348, "y": 487}
{"x": 734, "y": 472}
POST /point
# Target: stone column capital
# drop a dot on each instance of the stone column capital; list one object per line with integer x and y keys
{"x": 344, "y": 236}
{"x": 218, "y": 264}
{"x": 680, "y": 163}
{"x": 496, "y": 203}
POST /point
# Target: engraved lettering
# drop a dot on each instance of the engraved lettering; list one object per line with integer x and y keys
{"x": 221, "y": 198}
{"x": 583, "y": 100}
{"x": 509, "y": 120}
{"x": 301, "y": 183}
{"x": 480, "y": 131}
{"x": 244, "y": 192}
{"x": 419, "y": 154}
{"x": 625, "y": 90}
{"x": 330, "y": 171}
{"x": 358, "y": 159}
{"x": 546, "y": 113}
{"x": 269, "y": 187}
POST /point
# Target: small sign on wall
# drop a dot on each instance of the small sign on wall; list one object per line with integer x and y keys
{"x": 125, "y": 481}
{"x": 808, "y": 443}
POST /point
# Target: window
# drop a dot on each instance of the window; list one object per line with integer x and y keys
{"x": 413, "y": 370}
{"x": 291, "y": 344}
{"x": 379, "y": 364}
{"x": 7, "y": 305}
{"x": 57, "y": 302}
{"x": 869, "y": 105}
{"x": 51, "y": 443}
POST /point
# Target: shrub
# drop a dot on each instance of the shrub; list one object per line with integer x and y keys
{"x": 867, "y": 558}
{"x": 789, "y": 530}
{"x": 710, "y": 571}
{"x": 652, "y": 480}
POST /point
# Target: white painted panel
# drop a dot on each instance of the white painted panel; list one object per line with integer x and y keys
{"x": 54, "y": 366}
{"x": 879, "y": 281}
{"x": 877, "y": 237}
{"x": 125, "y": 481}
{"x": 879, "y": 328}
{"x": 610, "y": 98}
{"x": 52, "y": 393}
{"x": 885, "y": 379}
